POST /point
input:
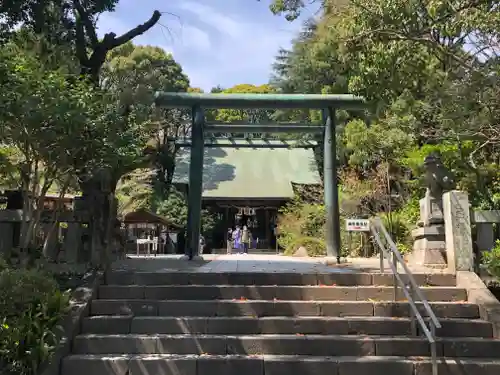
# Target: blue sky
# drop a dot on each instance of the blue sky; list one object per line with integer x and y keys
{"x": 217, "y": 42}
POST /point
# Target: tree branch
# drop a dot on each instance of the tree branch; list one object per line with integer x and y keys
{"x": 87, "y": 22}
{"x": 138, "y": 30}
{"x": 80, "y": 45}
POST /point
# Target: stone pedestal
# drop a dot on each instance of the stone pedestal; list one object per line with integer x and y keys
{"x": 429, "y": 247}
{"x": 458, "y": 231}
{"x": 431, "y": 211}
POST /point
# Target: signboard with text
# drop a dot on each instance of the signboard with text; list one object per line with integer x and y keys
{"x": 357, "y": 225}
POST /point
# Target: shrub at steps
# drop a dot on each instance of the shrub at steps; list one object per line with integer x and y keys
{"x": 303, "y": 225}
{"x": 31, "y": 306}
{"x": 400, "y": 230}
{"x": 491, "y": 261}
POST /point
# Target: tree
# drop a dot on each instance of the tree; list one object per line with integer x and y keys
{"x": 175, "y": 209}
{"x": 243, "y": 116}
{"x": 71, "y": 22}
{"x": 291, "y": 9}
{"x": 137, "y": 72}
{"x": 58, "y": 130}
{"x": 429, "y": 70}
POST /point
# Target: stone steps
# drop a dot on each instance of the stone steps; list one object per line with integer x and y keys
{"x": 338, "y": 278}
{"x": 270, "y": 365}
{"x": 300, "y": 344}
{"x": 259, "y": 308}
{"x": 252, "y": 323}
{"x": 269, "y": 292}
{"x": 273, "y": 325}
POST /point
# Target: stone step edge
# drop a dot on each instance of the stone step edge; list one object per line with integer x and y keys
{"x": 305, "y": 358}
{"x": 357, "y": 337}
{"x": 247, "y": 300}
{"x": 200, "y": 286}
{"x": 128, "y": 277}
{"x": 357, "y": 318}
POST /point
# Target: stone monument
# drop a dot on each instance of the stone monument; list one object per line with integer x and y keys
{"x": 459, "y": 251}
{"x": 429, "y": 247}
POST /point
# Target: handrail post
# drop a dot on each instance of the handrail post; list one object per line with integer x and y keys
{"x": 409, "y": 288}
{"x": 433, "y": 349}
{"x": 381, "y": 255}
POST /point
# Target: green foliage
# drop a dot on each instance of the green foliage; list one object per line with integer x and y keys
{"x": 301, "y": 224}
{"x": 31, "y": 306}
{"x": 135, "y": 191}
{"x": 175, "y": 209}
{"x": 400, "y": 230}
{"x": 491, "y": 259}
{"x": 242, "y": 115}
{"x": 374, "y": 144}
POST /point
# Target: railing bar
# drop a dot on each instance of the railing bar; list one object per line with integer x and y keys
{"x": 419, "y": 293}
{"x": 382, "y": 256}
{"x": 387, "y": 255}
{"x": 407, "y": 295}
{"x": 434, "y": 353}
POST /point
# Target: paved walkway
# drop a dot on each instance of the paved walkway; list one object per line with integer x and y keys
{"x": 254, "y": 263}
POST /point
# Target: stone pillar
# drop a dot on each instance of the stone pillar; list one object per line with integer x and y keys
{"x": 195, "y": 183}
{"x": 6, "y": 236}
{"x": 73, "y": 244}
{"x": 458, "y": 235}
{"x": 330, "y": 184}
{"x": 485, "y": 236}
{"x": 429, "y": 247}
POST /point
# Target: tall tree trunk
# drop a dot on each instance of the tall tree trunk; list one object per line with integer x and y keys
{"x": 50, "y": 253}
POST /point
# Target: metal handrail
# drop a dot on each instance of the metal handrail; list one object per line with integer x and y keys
{"x": 407, "y": 288}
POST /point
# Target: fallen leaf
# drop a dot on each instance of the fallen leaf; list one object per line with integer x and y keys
{"x": 299, "y": 334}
{"x": 243, "y": 299}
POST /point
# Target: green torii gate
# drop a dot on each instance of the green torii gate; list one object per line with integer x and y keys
{"x": 198, "y": 102}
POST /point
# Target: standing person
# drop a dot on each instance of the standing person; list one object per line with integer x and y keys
{"x": 245, "y": 239}
{"x": 181, "y": 242}
{"x": 229, "y": 240}
{"x": 202, "y": 244}
{"x": 236, "y": 238}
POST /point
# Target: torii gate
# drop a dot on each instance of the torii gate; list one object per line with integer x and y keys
{"x": 199, "y": 102}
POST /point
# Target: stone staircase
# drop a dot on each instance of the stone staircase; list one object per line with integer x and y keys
{"x": 275, "y": 324}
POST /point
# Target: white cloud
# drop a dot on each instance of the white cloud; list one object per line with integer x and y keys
{"x": 193, "y": 37}
{"x": 242, "y": 44}
{"x": 215, "y": 42}
{"x": 210, "y": 16}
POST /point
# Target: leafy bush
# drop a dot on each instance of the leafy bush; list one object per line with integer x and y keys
{"x": 400, "y": 231}
{"x": 314, "y": 246}
{"x": 491, "y": 260}
{"x": 302, "y": 225}
{"x": 31, "y": 305}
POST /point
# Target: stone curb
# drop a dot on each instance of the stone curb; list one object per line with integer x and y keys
{"x": 71, "y": 323}
{"x": 479, "y": 294}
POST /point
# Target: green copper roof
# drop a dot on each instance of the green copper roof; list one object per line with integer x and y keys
{"x": 257, "y": 173}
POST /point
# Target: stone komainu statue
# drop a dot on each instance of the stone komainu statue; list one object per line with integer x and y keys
{"x": 438, "y": 178}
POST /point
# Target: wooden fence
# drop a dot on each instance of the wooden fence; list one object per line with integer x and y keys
{"x": 485, "y": 233}
{"x": 68, "y": 243}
